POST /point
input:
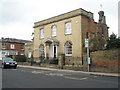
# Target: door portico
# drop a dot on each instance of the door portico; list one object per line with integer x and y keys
{"x": 51, "y": 48}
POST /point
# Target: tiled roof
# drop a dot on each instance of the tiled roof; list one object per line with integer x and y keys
{"x": 13, "y": 40}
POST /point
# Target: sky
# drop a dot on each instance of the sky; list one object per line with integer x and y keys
{"x": 17, "y": 17}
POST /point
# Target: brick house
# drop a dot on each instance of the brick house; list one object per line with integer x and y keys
{"x": 65, "y": 34}
{"x": 11, "y": 46}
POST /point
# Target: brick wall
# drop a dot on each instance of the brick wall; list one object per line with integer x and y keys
{"x": 74, "y": 61}
{"x": 105, "y": 61}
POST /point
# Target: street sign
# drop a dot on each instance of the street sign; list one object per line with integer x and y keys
{"x": 88, "y": 60}
{"x": 86, "y": 42}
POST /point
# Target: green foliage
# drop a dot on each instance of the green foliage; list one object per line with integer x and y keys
{"x": 113, "y": 42}
{"x": 20, "y": 58}
{"x": 93, "y": 44}
{"x": 97, "y": 44}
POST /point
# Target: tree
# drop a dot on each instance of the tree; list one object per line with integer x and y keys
{"x": 93, "y": 44}
{"x": 113, "y": 42}
{"x": 97, "y": 44}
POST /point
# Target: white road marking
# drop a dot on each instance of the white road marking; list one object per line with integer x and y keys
{"x": 54, "y": 74}
{"x": 36, "y": 72}
{"x": 23, "y": 70}
{"x": 76, "y": 78}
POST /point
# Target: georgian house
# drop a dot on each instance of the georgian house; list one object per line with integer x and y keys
{"x": 65, "y": 34}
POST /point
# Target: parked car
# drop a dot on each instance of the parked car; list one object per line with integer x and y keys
{"x": 8, "y": 62}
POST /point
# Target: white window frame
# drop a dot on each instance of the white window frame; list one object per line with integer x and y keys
{"x": 3, "y": 45}
{"x": 68, "y": 28}
{"x": 12, "y": 46}
{"x": 68, "y": 49}
{"x": 41, "y": 33}
{"x": 54, "y": 29}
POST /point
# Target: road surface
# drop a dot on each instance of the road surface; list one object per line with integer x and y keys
{"x": 36, "y": 78}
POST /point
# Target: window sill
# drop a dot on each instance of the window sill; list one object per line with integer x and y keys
{"x": 68, "y": 34}
{"x": 41, "y": 38}
{"x": 53, "y": 36}
{"x": 68, "y": 55}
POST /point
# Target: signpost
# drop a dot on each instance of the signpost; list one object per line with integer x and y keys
{"x": 88, "y": 62}
{"x": 86, "y": 42}
{"x": 87, "y": 46}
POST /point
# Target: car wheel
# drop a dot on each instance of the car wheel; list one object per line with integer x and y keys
{"x": 15, "y": 67}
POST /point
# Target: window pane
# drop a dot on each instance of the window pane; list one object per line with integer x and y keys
{"x": 41, "y": 50}
{"x": 68, "y": 49}
{"x": 12, "y": 46}
{"x": 3, "y": 46}
{"x": 41, "y": 33}
{"x": 68, "y": 28}
{"x": 54, "y": 30}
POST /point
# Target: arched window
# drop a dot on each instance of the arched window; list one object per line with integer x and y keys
{"x": 42, "y": 50}
{"x": 68, "y": 49}
{"x": 54, "y": 30}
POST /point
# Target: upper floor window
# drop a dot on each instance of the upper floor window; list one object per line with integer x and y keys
{"x": 68, "y": 28}
{"x": 68, "y": 49}
{"x": 54, "y": 30}
{"x": 41, "y": 33}
{"x": 3, "y": 45}
{"x": 22, "y": 47}
{"x": 12, "y": 46}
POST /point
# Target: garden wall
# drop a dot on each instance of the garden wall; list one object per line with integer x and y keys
{"x": 105, "y": 61}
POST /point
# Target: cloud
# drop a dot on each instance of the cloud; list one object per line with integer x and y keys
{"x": 18, "y": 16}
{"x": 17, "y": 30}
{"x": 12, "y": 12}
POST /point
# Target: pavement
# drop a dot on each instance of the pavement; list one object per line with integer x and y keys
{"x": 91, "y": 73}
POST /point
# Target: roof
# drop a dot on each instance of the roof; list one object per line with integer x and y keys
{"x": 13, "y": 40}
{"x": 64, "y": 16}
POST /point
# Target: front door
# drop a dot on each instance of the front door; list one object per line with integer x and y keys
{"x": 55, "y": 52}
{"x": 52, "y": 51}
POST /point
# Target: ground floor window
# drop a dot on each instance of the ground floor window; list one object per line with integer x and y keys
{"x": 68, "y": 49}
{"x": 42, "y": 51}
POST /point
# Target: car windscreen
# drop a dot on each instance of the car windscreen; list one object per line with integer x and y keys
{"x": 7, "y": 59}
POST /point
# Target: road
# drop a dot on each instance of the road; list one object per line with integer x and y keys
{"x": 35, "y": 78}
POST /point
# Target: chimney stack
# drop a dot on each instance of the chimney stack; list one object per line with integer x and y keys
{"x": 102, "y": 18}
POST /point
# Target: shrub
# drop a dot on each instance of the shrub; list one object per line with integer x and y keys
{"x": 113, "y": 42}
{"x": 20, "y": 58}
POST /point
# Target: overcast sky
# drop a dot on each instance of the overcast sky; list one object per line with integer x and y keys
{"x": 17, "y": 17}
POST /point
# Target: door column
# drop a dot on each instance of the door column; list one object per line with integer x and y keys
{"x": 47, "y": 52}
{"x": 55, "y": 51}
